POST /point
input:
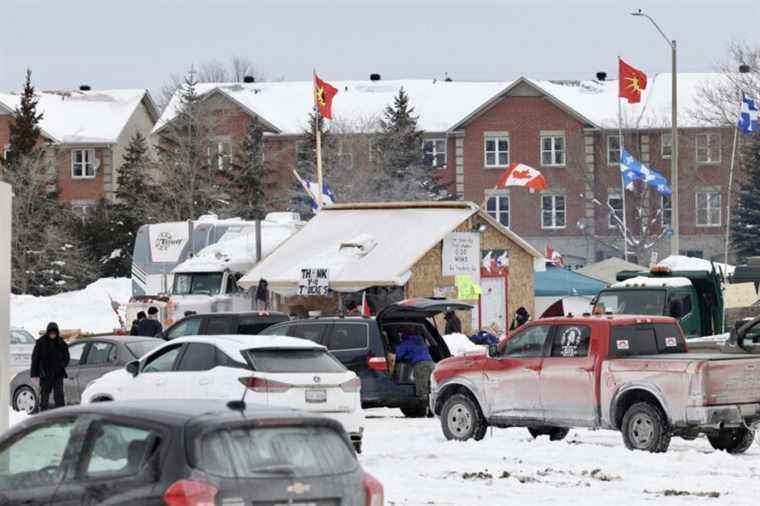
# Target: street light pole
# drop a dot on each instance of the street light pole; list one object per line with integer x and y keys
{"x": 674, "y": 239}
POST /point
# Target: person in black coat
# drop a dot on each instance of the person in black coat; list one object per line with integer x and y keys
{"x": 49, "y": 361}
{"x": 453, "y": 323}
{"x": 150, "y": 326}
{"x": 521, "y": 318}
{"x": 140, "y": 317}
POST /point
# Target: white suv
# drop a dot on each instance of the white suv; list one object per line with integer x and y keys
{"x": 276, "y": 371}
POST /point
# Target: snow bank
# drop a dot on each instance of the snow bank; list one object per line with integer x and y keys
{"x": 682, "y": 263}
{"x": 88, "y": 309}
{"x": 459, "y": 344}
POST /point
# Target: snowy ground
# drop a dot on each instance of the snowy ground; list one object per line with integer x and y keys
{"x": 89, "y": 309}
{"x": 417, "y": 466}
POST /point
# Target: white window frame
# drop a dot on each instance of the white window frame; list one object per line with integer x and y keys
{"x": 706, "y": 137}
{"x": 553, "y": 151}
{"x": 220, "y": 162}
{"x": 434, "y": 152}
{"x": 554, "y": 211}
{"x": 345, "y": 155}
{"x": 663, "y": 144}
{"x": 6, "y": 150}
{"x": 499, "y": 194}
{"x": 708, "y": 208}
{"x": 611, "y": 223}
{"x": 496, "y": 137}
{"x": 88, "y": 165}
{"x": 609, "y": 150}
{"x": 666, "y": 208}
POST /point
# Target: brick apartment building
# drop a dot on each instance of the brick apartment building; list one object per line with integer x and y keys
{"x": 472, "y": 130}
{"x": 87, "y": 133}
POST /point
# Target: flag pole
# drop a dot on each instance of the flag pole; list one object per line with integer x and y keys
{"x": 318, "y": 133}
{"x": 622, "y": 179}
{"x": 728, "y": 197}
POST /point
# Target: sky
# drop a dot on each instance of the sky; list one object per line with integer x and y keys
{"x": 140, "y": 43}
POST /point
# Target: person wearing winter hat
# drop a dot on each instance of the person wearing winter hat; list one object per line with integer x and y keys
{"x": 49, "y": 361}
{"x": 150, "y": 326}
{"x": 521, "y": 318}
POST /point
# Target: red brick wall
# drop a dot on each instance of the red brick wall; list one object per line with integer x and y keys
{"x": 5, "y": 133}
{"x": 524, "y": 118}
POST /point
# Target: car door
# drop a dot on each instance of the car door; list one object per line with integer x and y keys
{"x": 77, "y": 359}
{"x": 567, "y": 380}
{"x": 513, "y": 376}
{"x": 102, "y": 357}
{"x": 38, "y": 460}
{"x": 153, "y": 380}
{"x": 195, "y": 372}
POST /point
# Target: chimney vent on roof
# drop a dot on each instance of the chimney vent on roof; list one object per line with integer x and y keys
{"x": 447, "y": 78}
{"x": 249, "y": 79}
{"x": 84, "y": 87}
{"x": 601, "y": 76}
{"x": 374, "y": 77}
{"x": 744, "y": 68}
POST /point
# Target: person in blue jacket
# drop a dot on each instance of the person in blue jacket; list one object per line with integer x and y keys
{"x": 413, "y": 350}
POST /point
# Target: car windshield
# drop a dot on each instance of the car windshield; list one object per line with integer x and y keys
{"x": 266, "y": 451}
{"x": 198, "y": 283}
{"x": 21, "y": 337}
{"x": 635, "y": 301}
{"x": 140, "y": 348}
{"x": 294, "y": 361}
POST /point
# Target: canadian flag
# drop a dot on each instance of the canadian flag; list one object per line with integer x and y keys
{"x": 519, "y": 174}
{"x": 553, "y": 256}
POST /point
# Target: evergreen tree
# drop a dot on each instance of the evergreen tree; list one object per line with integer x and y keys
{"x": 252, "y": 186}
{"x": 25, "y": 130}
{"x": 745, "y": 221}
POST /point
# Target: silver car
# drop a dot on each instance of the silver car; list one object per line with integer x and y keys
{"x": 91, "y": 358}
{"x": 22, "y": 344}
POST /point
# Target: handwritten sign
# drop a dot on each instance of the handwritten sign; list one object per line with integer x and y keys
{"x": 461, "y": 254}
{"x": 314, "y": 282}
{"x": 467, "y": 289}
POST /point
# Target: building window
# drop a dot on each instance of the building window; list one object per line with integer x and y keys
{"x": 553, "y": 150}
{"x": 345, "y": 156}
{"x": 83, "y": 208}
{"x": 613, "y": 149}
{"x": 614, "y": 208}
{"x": 708, "y": 148}
{"x": 83, "y": 163}
{"x": 496, "y": 150}
{"x": 708, "y": 209}
{"x": 219, "y": 154}
{"x": 434, "y": 152}
{"x": 371, "y": 147}
{"x": 498, "y": 207}
{"x": 666, "y": 144}
{"x": 6, "y": 150}
{"x": 552, "y": 211}
{"x": 667, "y": 211}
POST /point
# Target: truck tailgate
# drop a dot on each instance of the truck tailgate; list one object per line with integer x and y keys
{"x": 732, "y": 379}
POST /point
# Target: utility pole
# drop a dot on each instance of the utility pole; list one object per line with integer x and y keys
{"x": 5, "y": 294}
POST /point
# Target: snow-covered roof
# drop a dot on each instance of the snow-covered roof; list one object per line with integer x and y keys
{"x": 643, "y": 281}
{"x": 361, "y": 245}
{"x": 683, "y": 263}
{"x": 84, "y": 117}
{"x": 446, "y": 105}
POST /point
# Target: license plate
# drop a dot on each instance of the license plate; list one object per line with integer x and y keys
{"x": 313, "y": 395}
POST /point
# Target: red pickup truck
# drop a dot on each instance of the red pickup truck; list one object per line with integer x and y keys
{"x": 626, "y": 373}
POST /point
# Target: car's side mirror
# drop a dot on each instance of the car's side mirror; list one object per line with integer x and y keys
{"x": 493, "y": 350}
{"x": 133, "y": 367}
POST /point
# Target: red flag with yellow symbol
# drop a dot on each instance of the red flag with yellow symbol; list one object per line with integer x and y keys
{"x": 632, "y": 82}
{"x": 323, "y": 97}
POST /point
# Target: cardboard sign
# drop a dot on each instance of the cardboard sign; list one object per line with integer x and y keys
{"x": 467, "y": 289}
{"x": 461, "y": 254}
{"x": 314, "y": 282}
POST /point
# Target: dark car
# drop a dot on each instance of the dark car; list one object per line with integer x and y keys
{"x": 363, "y": 344}
{"x": 174, "y": 453}
{"x": 252, "y": 322}
{"x": 91, "y": 358}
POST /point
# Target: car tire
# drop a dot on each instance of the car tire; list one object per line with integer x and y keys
{"x": 554, "y": 433}
{"x": 461, "y": 419}
{"x": 645, "y": 428}
{"x": 25, "y": 399}
{"x": 732, "y": 440}
{"x": 418, "y": 410}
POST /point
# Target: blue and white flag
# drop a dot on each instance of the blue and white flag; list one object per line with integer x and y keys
{"x": 327, "y": 195}
{"x": 748, "y": 118}
{"x": 633, "y": 170}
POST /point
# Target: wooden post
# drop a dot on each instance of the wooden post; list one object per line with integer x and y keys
{"x": 320, "y": 185}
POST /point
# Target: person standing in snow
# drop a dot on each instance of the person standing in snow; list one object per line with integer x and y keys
{"x": 262, "y": 295}
{"x": 49, "y": 361}
{"x": 135, "y": 323}
{"x": 453, "y": 323}
{"x": 412, "y": 349}
{"x": 150, "y": 326}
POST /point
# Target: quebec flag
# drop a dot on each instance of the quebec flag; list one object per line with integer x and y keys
{"x": 327, "y": 195}
{"x": 633, "y": 170}
{"x": 748, "y": 118}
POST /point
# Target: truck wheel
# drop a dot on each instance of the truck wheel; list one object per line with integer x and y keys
{"x": 461, "y": 419}
{"x": 418, "y": 410}
{"x": 732, "y": 440}
{"x": 645, "y": 428}
{"x": 554, "y": 433}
